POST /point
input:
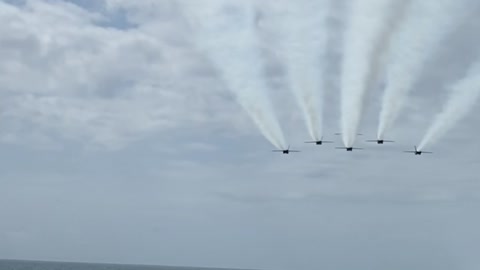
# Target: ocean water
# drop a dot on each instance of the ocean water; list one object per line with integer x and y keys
{"x": 37, "y": 265}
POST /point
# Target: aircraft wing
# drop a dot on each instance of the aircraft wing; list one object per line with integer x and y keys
{"x": 409, "y": 151}
{"x": 328, "y": 141}
{"x": 277, "y": 150}
{"x": 311, "y": 142}
{"x": 425, "y": 152}
{"x": 294, "y": 151}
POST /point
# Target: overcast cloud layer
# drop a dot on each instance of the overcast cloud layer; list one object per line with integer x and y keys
{"x": 121, "y": 143}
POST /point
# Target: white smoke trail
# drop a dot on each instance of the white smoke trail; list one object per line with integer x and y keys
{"x": 396, "y": 14}
{"x": 300, "y": 26}
{"x": 419, "y": 36}
{"x": 464, "y": 95}
{"x": 226, "y": 31}
{"x": 365, "y": 29}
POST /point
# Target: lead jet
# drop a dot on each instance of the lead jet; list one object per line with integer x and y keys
{"x": 286, "y": 151}
{"x": 418, "y": 152}
{"x": 349, "y": 149}
{"x": 379, "y": 141}
{"x": 319, "y": 142}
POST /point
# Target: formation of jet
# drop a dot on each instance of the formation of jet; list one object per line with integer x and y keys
{"x": 286, "y": 151}
{"x": 418, "y": 152}
{"x": 349, "y": 148}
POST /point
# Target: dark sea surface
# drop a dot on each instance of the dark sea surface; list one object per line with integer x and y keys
{"x": 37, "y": 265}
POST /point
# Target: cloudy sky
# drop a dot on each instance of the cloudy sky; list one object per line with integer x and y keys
{"x": 120, "y": 142}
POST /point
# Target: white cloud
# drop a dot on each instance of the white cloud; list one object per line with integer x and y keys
{"x": 63, "y": 73}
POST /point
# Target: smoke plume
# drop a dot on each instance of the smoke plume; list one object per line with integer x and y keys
{"x": 418, "y": 37}
{"x": 225, "y": 30}
{"x": 396, "y": 13}
{"x": 301, "y": 31}
{"x": 365, "y": 31}
{"x": 463, "y": 97}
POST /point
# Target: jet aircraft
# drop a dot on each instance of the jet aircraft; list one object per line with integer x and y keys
{"x": 350, "y": 149}
{"x": 319, "y": 142}
{"x": 418, "y": 152}
{"x": 379, "y": 141}
{"x": 286, "y": 151}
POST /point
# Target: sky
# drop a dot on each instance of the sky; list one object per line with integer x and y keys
{"x": 120, "y": 142}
